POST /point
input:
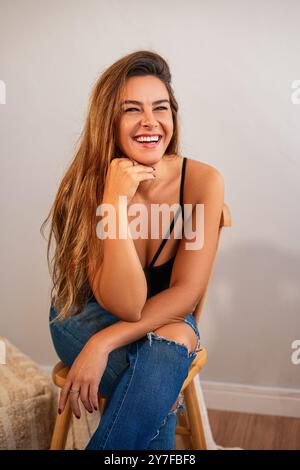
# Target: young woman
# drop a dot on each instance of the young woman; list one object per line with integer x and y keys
{"x": 121, "y": 314}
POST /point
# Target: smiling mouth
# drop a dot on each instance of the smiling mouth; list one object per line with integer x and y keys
{"x": 148, "y": 145}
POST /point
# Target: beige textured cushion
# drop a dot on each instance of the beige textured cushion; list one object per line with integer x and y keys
{"x": 27, "y": 402}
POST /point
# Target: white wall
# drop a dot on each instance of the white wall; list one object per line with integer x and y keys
{"x": 233, "y": 63}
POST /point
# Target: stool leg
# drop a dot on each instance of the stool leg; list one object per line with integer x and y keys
{"x": 194, "y": 417}
{"x": 185, "y": 434}
{"x": 61, "y": 428}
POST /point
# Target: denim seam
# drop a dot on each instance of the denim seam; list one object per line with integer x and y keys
{"x": 64, "y": 328}
{"x": 117, "y": 412}
{"x": 68, "y": 332}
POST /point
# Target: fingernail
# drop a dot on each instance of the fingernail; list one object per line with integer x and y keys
{"x": 78, "y": 417}
{"x": 154, "y": 168}
{"x": 90, "y": 411}
{"x": 95, "y": 408}
{"x": 59, "y": 411}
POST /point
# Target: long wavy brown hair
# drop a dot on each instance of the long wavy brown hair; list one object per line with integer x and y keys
{"x": 73, "y": 213}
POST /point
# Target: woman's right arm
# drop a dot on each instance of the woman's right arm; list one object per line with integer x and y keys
{"x": 120, "y": 285}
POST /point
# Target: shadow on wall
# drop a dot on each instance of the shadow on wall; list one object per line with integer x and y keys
{"x": 251, "y": 317}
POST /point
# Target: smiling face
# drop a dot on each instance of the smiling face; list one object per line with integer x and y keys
{"x": 146, "y": 117}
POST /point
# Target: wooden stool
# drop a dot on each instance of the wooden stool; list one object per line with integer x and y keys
{"x": 190, "y": 419}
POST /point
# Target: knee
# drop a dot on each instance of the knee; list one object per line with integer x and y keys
{"x": 180, "y": 332}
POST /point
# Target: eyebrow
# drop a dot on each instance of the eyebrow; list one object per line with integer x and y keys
{"x": 139, "y": 102}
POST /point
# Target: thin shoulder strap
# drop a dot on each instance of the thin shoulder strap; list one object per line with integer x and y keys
{"x": 182, "y": 186}
{"x": 180, "y": 209}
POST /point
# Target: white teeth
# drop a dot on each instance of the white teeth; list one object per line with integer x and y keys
{"x": 147, "y": 139}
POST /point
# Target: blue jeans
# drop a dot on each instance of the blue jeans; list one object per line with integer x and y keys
{"x": 141, "y": 382}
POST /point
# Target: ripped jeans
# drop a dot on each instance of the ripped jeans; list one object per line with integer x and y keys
{"x": 141, "y": 382}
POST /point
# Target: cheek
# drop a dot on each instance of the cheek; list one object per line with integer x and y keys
{"x": 127, "y": 127}
{"x": 169, "y": 130}
{"x": 124, "y": 133}
{"x": 169, "y": 125}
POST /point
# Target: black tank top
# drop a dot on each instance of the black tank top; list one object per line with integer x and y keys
{"x": 158, "y": 277}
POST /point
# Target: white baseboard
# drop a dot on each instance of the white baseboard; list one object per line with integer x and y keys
{"x": 245, "y": 398}
{"x": 251, "y": 399}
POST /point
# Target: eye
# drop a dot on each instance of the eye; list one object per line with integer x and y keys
{"x": 159, "y": 107}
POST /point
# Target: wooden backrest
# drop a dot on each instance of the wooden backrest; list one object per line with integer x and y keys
{"x": 225, "y": 221}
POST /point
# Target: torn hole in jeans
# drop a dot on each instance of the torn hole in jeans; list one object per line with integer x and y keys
{"x": 180, "y": 406}
{"x": 190, "y": 354}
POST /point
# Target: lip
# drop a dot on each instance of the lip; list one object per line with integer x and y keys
{"x": 148, "y": 145}
{"x": 146, "y": 135}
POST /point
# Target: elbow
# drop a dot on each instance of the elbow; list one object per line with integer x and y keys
{"x": 126, "y": 314}
{"x": 136, "y": 318}
{"x": 125, "y": 307}
{"x": 130, "y": 313}
{"x": 129, "y": 309}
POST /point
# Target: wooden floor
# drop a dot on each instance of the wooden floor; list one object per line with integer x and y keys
{"x": 250, "y": 431}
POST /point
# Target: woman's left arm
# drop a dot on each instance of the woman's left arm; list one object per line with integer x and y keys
{"x": 193, "y": 264}
{"x": 190, "y": 274}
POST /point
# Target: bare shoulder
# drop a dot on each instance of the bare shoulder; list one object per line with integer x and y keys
{"x": 203, "y": 170}
{"x": 204, "y": 179}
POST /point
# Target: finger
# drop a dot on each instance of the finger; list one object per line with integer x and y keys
{"x": 124, "y": 162}
{"x": 64, "y": 395}
{"x": 73, "y": 397}
{"x": 94, "y": 395}
{"x": 84, "y": 397}
{"x": 145, "y": 176}
{"x": 139, "y": 168}
{"x": 134, "y": 163}
{"x": 130, "y": 163}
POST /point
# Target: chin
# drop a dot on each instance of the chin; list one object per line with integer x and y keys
{"x": 145, "y": 156}
{"x": 150, "y": 160}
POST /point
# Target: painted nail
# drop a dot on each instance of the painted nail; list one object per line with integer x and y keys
{"x": 95, "y": 408}
{"x": 59, "y": 411}
{"x": 78, "y": 417}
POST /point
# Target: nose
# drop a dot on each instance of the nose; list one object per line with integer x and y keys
{"x": 148, "y": 118}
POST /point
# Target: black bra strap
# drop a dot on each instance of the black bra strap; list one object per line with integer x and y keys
{"x": 182, "y": 187}
{"x": 180, "y": 209}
